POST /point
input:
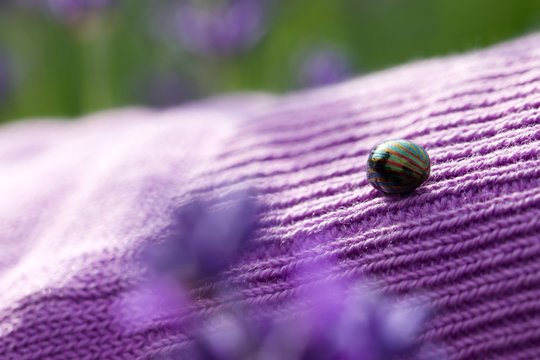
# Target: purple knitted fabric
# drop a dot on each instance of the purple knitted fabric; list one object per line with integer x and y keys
{"x": 79, "y": 200}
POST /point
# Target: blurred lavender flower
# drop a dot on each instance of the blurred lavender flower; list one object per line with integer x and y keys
{"x": 331, "y": 320}
{"x": 5, "y": 3}
{"x": 324, "y": 66}
{"x": 389, "y": 328}
{"x": 348, "y": 321}
{"x": 221, "y": 28}
{"x": 230, "y": 336}
{"x": 335, "y": 326}
{"x": 204, "y": 238}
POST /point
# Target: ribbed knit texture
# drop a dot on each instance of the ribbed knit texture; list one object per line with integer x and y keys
{"x": 77, "y": 201}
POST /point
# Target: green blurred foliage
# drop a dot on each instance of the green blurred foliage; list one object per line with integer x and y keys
{"x": 67, "y": 70}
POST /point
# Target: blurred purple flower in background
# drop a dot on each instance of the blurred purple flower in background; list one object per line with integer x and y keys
{"x": 324, "y": 66}
{"x": 221, "y": 28}
{"x": 5, "y": 3}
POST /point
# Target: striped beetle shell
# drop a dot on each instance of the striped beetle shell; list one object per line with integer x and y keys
{"x": 397, "y": 166}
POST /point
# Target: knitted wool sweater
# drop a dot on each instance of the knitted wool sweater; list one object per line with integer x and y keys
{"x": 78, "y": 199}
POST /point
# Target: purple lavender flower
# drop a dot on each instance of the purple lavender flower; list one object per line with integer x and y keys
{"x": 324, "y": 66}
{"x": 230, "y": 336}
{"x": 336, "y": 326}
{"x": 352, "y": 322}
{"x": 153, "y": 299}
{"x": 331, "y": 318}
{"x": 223, "y": 28}
{"x": 388, "y": 327}
{"x": 204, "y": 238}
{"x": 330, "y": 321}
